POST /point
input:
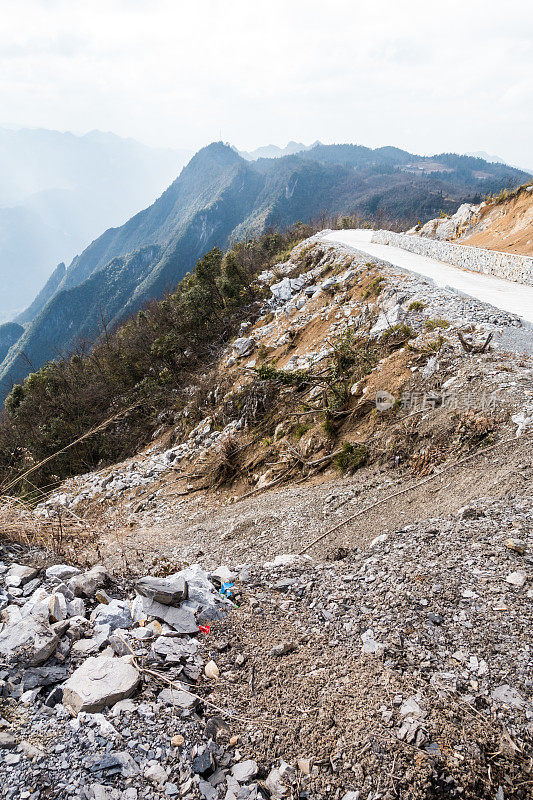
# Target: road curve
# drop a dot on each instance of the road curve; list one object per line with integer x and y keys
{"x": 515, "y": 298}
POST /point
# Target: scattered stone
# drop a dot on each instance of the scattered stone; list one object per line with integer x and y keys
{"x": 516, "y": 578}
{"x": 223, "y": 575}
{"x": 30, "y": 641}
{"x": 203, "y": 762}
{"x": 516, "y": 545}
{"x": 446, "y": 681}
{"x": 155, "y": 773}
{"x": 19, "y": 575}
{"x": 116, "y": 614}
{"x": 304, "y": 765}
{"x": 370, "y": 645}
{"x": 243, "y": 771}
{"x": 283, "y": 649}
{"x": 181, "y": 619}
{"x": 243, "y": 346}
{"x": 178, "y": 697}
{"x": 44, "y": 676}
{"x": 86, "y": 584}
{"x": 212, "y": 671}
{"x": 508, "y": 696}
{"x": 62, "y": 571}
{"x": 7, "y": 741}
{"x": 57, "y": 608}
{"x": 279, "y": 781}
{"x": 76, "y": 607}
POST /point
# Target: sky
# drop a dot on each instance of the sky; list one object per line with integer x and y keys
{"x": 424, "y": 76}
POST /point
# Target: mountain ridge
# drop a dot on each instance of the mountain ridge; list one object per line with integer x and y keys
{"x": 221, "y": 197}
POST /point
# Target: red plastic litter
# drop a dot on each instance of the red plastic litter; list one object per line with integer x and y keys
{"x": 204, "y": 628}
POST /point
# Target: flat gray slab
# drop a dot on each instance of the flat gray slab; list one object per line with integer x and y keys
{"x": 100, "y": 682}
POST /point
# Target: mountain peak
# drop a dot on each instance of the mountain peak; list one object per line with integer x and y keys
{"x": 215, "y": 154}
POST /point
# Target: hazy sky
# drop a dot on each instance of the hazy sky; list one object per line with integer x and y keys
{"x": 426, "y": 76}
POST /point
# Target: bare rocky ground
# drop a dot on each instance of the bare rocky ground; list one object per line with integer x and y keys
{"x": 397, "y": 669}
{"x": 389, "y": 659}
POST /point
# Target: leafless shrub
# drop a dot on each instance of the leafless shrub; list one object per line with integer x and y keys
{"x": 57, "y": 534}
{"x": 226, "y": 466}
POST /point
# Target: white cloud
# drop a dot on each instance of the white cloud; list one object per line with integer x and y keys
{"x": 426, "y": 76}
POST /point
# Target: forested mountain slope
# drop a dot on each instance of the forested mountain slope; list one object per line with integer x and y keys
{"x": 219, "y": 197}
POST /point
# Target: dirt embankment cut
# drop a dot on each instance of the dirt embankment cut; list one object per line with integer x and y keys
{"x": 506, "y": 226}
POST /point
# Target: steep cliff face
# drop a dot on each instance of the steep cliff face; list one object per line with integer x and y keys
{"x": 197, "y": 187}
{"x": 146, "y": 257}
{"x": 74, "y": 316}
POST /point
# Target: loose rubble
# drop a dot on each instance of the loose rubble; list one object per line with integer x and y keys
{"x": 393, "y": 665}
{"x": 295, "y": 305}
{"x": 418, "y": 644}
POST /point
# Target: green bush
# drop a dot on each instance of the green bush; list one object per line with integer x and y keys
{"x": 266, "y": 372}
{"x": 397, "y": 335}
{"x": 433, "y": 324}
{"x": 137, "y": 371}
{"x": 374, "y": 290}
{"x": 351, "y": 457}
{"x": 300, "y": 429}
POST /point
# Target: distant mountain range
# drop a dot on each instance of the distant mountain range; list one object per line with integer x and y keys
{"x": 273, "y": 151}
{"x": 487, "y": 157}
{"x": 219, "y": 197}
{"x": 496, "y": 160}
{"x": 58, "y": 191}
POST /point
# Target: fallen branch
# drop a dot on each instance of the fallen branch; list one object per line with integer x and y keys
{"x": 263, "y": 488}
{"x": 470, "y": 347}
{"x": 456, "y": 463}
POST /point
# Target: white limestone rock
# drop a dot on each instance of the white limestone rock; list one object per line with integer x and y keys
{"x": 101, "y": 681}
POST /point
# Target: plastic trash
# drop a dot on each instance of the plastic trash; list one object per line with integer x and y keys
{"x": 225, "y": 589}
{"x": 204, "y": 629}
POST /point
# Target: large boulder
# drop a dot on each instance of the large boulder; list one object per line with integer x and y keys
{"x": 62, "y": 571}
{"x": 100, "y": 681}
{"x": 29, "y": 641}
{"x": 116, "y": 614}
{"x": 86, "y": 584}
{"x": 168, "y": 591}
{"x": 282, "y": 291}
{"x": 202, "y": 597}
{"x": 243, "y": 346}
{"x": 181, "y": 619}
{"x": 19, "y": 575}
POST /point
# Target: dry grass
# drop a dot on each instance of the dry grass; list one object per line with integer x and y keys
{"x": 60, "y": 534}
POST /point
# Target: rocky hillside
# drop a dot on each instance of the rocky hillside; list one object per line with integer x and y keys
{"x": 221, "y": 197}
{"x": 314, "y": 582}
{"x": 504, "y": 223}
